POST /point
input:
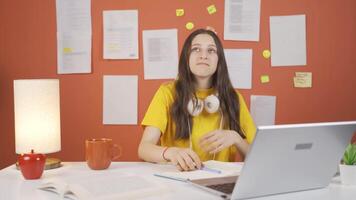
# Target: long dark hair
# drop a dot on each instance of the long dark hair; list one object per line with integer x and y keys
{"x": 185, "y": 90}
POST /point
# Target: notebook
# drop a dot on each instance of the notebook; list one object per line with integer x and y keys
{"x": 210, "y": 169}
{"x": 287, "y": 158}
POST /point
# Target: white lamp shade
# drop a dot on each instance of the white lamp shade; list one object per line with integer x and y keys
{"x": 37, "y": 116}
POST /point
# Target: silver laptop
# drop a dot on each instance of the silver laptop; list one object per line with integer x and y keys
{"x": 286, "y": 158}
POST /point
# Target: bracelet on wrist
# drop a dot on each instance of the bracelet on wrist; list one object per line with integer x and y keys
{"x": 163, "y": 154}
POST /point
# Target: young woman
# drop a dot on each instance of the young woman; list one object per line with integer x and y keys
{"x": 199, "y": 116}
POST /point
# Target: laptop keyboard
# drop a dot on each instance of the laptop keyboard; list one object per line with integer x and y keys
{"x": 226, "y": 188}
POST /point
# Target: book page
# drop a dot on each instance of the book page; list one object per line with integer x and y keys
{"x": 103, "y": 186}
{"x": 54, "y": 185}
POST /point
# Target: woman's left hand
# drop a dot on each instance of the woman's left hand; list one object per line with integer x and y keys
{"x": 215, "y": 141}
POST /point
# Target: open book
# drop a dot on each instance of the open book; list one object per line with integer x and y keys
{"x": 103, "y": 187}
{"x": 211, "y": 169}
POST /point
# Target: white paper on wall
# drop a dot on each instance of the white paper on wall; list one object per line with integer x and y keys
{"x": 288, "y": 40}
{"x": 73, "y": 15}
{"x": 74, "y": 53}
{"x": 120, "y": 99}
{"x": 263, "y": 109}
{"x": 160, "y": 54}
{"x": 239, "y": 63}
{"x": 242, "y": 20}
{"x": 120, "y": 34}
{"x": 73, "y": 36}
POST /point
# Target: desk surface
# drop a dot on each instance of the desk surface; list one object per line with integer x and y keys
{"x": 14, "y": 187}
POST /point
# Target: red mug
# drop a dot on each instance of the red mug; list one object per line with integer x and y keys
{"x": 100, "y": 152}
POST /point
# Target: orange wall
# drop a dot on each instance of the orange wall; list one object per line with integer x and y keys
{"x": 28, "y": 50}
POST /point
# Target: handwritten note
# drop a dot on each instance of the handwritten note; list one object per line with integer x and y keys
{"x": 303, "y": 80}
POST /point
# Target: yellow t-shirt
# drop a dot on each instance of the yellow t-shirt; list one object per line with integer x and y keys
{"x": 158, "y": 115}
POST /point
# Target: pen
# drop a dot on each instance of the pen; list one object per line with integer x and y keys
{"x": 211, "y": 170}
{"x": 172, "y": 178}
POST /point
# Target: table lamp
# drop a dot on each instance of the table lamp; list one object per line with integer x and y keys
{"x": 37, "y": 123}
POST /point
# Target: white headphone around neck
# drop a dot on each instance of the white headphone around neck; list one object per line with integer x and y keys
{"x": 211, "y": 104}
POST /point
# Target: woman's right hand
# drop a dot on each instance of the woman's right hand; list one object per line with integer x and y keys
{"x": 184, "y": 158}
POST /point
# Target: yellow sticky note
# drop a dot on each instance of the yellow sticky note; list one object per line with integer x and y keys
{"x": 264, "y": 79}
{"x": 179, "y": 12}
{"x": 266, "y": 54}
{"x": 211, "y": 9}
{"x": 67, "y": 50}
{"x": 303, "y": 80}
{"x": 189, "y": 25}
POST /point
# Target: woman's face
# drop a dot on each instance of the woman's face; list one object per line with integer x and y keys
{"x": 203, "y": 58}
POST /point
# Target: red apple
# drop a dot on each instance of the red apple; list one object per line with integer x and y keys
{"x": 32, "y": 165}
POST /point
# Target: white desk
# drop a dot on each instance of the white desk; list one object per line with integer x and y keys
{"x": 14, "y": 187}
